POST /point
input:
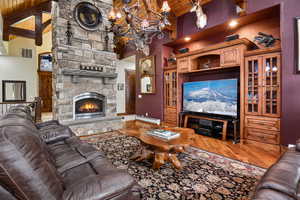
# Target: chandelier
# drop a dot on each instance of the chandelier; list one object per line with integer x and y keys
{"x": 139, "y": 31}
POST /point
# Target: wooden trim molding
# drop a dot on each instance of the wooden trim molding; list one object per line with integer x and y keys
{"x": 297, "y": 45}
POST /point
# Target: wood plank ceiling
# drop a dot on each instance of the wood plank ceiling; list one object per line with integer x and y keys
{"x": 9, "y": 7}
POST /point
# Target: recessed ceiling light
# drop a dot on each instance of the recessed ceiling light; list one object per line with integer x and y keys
{"x": 233, "y": 23}
{"x": 187, "y": 39}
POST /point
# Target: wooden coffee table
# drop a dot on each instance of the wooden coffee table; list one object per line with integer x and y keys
{"x": 161, "y": 151}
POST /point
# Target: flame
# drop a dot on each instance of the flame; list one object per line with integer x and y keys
{"x": 89, "y": 107}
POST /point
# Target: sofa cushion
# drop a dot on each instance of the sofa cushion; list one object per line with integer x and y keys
{"x": 47, "y": 124}
{"x": 20, "y": 108}
{"x": 283, "y": 177}
{"x": 292, "y": 157}
{"x": 9, "y": 120}
{"x": 269, "y": 194}
{"x": 55, "y": 134}
{"x": 71, "y": 153}
{"x": 109, "y": 186}
{"x": 5, "y": 195}
{"x": 23, "y": 160}
{"x": 97, "y": 166}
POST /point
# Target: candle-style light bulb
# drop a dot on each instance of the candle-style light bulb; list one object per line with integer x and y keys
{"x": 112, "y": 15}
{"x": 119, "y": 15}
{"x": 165, "y": 7}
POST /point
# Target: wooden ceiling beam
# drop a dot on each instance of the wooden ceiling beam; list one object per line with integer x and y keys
{"x": 39, "y": 29}
{"x": 20, "y": 15}
{"x": 36, "y": 11}
{"x": 46, "y": 24}
{"x": 21, "y": 32}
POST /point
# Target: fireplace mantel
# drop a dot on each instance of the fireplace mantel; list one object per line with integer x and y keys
{"x": 76, "y": 73}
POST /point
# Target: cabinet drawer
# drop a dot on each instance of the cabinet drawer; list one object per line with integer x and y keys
{"x": 170, "y": 110}
{"x": 263, "y": 136}
{"x": 183, "y": 65}
{"x": 263, "y": 123}
{"x": 170, "y": 116}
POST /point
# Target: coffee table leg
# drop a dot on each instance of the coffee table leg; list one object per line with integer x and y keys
{"x": 174, "y": 160}
{"x": 142, "y": 154}
{"x": 159, "y": 160}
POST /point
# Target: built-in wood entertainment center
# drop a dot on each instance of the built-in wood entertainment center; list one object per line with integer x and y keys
{"x": 259, "y": 95}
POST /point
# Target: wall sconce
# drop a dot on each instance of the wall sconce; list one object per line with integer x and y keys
{"x": 69, "y": 33}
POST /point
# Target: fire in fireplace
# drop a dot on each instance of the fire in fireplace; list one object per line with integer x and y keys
{"x": 89, "y": 105}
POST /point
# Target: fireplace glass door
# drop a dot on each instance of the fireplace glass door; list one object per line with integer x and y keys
{"x": 89, "y": 105}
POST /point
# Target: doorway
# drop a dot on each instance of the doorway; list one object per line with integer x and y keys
{"x": 130, "y": 81}
{"x": 126, "y": 86}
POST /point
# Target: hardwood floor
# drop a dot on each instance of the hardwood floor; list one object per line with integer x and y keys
{"x": 249, "y": 153}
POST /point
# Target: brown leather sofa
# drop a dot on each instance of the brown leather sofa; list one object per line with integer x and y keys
{"x": 282, "y": 180}
{"x": 46, "y": 161}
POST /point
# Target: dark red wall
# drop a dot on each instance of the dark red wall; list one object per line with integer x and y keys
{"x": 219, "y": 12}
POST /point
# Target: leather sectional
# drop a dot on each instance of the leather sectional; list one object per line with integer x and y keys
{"x": 282, "y": 180}
{"x": 46, "y": 161}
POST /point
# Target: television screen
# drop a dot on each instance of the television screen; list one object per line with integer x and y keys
{"x": 213, "y": 97}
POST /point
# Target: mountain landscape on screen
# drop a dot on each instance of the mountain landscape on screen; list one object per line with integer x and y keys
{"x": 215, "y": 97}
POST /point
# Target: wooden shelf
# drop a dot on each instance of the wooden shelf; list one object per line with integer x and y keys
{"x": 222, "y": 45}
{"x": 76, "y": 73}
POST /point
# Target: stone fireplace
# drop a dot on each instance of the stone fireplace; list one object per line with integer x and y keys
{"x": 89, "y": 105}
{"x": 83, "y": 99}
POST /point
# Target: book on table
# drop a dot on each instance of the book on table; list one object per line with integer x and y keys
{"x": 163, "y": 134}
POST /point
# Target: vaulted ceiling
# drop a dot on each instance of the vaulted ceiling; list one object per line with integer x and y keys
{"x": 8, "y": 7}
{"x": 26, "y": 18}
{"x": 178, "y": 7}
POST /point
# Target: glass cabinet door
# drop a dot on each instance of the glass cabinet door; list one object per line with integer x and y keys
{"x": 271, "y": 85}
{"x": 174, "y": 88}
{"x": 167, "y": 89}
{"x": 253, "y": 83}
{"x": 170, "y": 88}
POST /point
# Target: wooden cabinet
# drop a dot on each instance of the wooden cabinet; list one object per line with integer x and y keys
{"x": 170, "y": 97}
{"x": 262, "y": 97}
{"x": 230, "y": 57}
{"x": 183, "y": 65}
{"x": 213, "y": 59}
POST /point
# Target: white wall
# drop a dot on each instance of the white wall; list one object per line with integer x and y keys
{"x": 14, "y": 67}
{"x": 122, "y": 65}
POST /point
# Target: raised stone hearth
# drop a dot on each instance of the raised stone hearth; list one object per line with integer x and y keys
{"x": 69, "y": 81}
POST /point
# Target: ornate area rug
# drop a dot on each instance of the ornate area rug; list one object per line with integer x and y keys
{"x": 204, "y": 175}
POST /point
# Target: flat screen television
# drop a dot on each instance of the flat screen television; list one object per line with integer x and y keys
{"x": 218, "y": 97}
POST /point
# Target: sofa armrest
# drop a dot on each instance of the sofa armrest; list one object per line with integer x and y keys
{"x": 115, "y": 184}
{"x": 55, "y": 135}
{"x": 298, "y": 145}
{"x": 47, "y": 123}
{"x": 4, "y": 194}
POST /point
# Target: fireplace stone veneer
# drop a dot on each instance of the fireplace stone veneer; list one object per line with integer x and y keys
{"x": 70, "y": 82}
